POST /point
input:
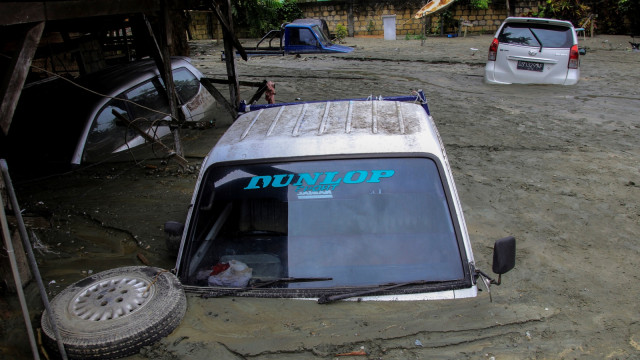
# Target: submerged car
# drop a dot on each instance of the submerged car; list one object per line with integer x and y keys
{"x": 59, "y": 124}
{"x": 534, "y": 51}
{"x": 330, "y": 200}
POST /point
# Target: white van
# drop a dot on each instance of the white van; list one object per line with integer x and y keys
{"x": 534, "y": 51}
{"x": 331, "y": 200}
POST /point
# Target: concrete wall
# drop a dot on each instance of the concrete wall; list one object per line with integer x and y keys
{"x": 203, "y": 25}
{"x": 365, "y": 18}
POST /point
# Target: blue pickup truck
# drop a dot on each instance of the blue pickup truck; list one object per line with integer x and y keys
{"x": 302, "y": 36}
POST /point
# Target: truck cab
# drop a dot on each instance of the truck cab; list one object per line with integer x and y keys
{"x": 302, "y": 36}
{"x": 307, "y": 36}
{"x": 331, "y": 200}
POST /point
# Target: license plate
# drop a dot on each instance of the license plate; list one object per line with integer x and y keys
{"x": 531, "y": 66}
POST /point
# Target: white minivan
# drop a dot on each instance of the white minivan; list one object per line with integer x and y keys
{"x": 330, "y": 200}
{"x": 534, "y": 51}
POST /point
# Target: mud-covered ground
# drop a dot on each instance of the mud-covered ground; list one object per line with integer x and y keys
{"x": 557, "y": 167}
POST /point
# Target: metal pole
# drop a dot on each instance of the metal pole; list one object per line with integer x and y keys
{"x": 16, "y": 278}
{"x": 29, "y": 250}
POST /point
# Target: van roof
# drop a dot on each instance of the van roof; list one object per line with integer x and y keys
{"x": 530, "y": 20}
{"x": 329, "y": 129}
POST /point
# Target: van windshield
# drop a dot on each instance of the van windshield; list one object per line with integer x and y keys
{"x": 359, "y": 222}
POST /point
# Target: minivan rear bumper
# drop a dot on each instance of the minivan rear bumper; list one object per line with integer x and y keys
{"x": 573, "y": 75}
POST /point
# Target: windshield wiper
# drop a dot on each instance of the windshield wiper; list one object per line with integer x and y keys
{"x": 327, "y": 299}
{"x": 537, "y": 39}
{"x": 263, "y": 284}
{"x": 289, "y": 280}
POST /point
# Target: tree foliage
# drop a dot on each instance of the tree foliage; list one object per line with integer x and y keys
{"x": 609, "y": 16}
{"x": 572, "y": 10}
{"x": 260, "y": 16}
{"x": 479, "y": 4}
{"x": 341, "y": 33}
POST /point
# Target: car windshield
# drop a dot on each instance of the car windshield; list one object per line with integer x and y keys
{"x": 536, "y": 35}
{"x": 359, "y": 222}
{"x": 321, "y": 35}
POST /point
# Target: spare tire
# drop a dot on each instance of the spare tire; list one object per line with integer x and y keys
{"x": 116, "y": 312}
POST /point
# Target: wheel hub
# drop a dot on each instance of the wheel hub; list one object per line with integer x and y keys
{"x": 112, "y": 298}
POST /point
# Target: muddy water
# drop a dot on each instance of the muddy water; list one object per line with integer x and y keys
{"x": 557, "y": 167}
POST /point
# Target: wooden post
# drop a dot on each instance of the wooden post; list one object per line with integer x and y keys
{"x": 14, "y": 77}
{"x": 163, "y": 61}
{"x": 424, "y": 31}
{"x": 231, "y": 58}
{"x": 350, "y": 20}
{"x": 176, "y": 113}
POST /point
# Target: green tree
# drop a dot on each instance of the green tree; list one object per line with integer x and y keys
{"x": 609, "y": 16}
{"x": 618, "y": 16}
{"x": 341, "y": 33}
{"x": 571, "y": 10}
{"x": 260, "y": 16}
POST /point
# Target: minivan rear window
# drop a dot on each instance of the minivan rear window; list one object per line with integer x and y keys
{"x": 536, "y": 35}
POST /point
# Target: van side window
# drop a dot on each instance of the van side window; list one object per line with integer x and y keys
{"x": 302, "y": 37}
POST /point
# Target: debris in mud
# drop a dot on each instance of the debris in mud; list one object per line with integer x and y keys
{"x": 354, "y": 353}
{"x": 143, "y": 259}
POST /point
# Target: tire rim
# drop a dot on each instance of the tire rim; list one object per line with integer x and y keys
{"x": 112, "y": 298}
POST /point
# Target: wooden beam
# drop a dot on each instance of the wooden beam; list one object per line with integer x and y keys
{"x": 16, "y": 74}
{"x": 240, "y": 82}
{"x": 181, "y": 160}
{"x": 218, "y": 96}
{"x": 227, "y": 29}
{"x": 14, "y": 13}
{"x": 259, "y": 93}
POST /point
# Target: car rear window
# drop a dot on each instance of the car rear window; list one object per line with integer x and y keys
{"x": 536, "y": 35}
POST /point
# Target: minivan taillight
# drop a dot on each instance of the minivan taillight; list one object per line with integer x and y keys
{"x": 574, "y": 57}
{"x": 493, "y": 50}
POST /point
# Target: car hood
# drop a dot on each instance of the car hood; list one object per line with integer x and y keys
{"x": 339, "y": 48}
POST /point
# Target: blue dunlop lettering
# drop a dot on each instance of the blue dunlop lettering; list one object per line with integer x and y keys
{"x": 318, "y": 181}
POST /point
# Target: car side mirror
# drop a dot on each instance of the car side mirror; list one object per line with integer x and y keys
{"x": 173, "y": 230}
{"x": 582, "y": 51}
{"x": 504, "y": 255}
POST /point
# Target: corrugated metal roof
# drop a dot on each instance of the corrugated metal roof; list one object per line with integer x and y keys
{"x": 329, "y": 128}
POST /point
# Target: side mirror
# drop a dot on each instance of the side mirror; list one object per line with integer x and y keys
{"x": 504, "y": 255}
{"x": 173, "y": 228}
{"x": 174, "y": 231}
